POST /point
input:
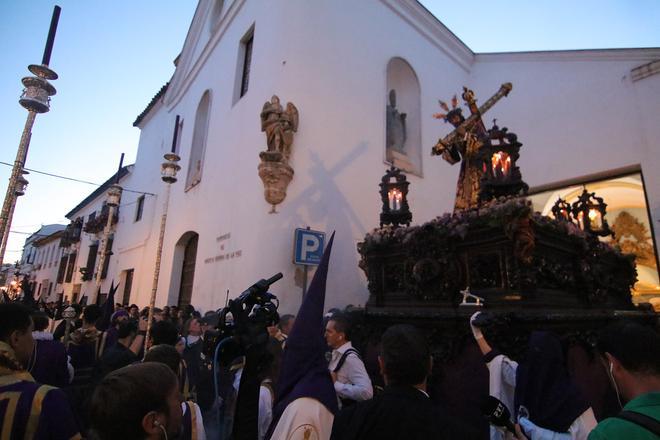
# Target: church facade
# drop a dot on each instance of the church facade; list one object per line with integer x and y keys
{"x": 365, "y": 79}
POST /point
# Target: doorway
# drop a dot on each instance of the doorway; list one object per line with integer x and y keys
{"x": 188, "y": 271}
{"x": 128, "y": 283}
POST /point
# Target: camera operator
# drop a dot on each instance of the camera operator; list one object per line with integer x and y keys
{"x": 245, "y": 336}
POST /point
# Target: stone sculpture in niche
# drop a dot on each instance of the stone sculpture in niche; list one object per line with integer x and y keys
{"x": 396, "y": 126}
{"x": 396, "y": 136}
{"x": 275, "y": 172}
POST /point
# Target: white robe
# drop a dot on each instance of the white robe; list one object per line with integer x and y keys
{"x": 304, "y": 419}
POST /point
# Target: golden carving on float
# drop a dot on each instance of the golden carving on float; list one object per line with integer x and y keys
{"x": 633, "y": 237}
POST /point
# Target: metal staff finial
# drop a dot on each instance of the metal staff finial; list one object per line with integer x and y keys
{"x": 121, "y": 163}
{"x": 42, "y": 70}
{"x": 51, "y": 35}
{"x": 176, "y": 133}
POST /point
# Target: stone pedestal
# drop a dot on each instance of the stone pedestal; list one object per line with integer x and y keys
{"x": 276, "y": 177}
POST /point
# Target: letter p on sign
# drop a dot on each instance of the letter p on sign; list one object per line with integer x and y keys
{"x": 310, "y": 245}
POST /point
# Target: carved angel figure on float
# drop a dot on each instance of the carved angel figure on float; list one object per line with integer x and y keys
{"x": 279, "y": 126}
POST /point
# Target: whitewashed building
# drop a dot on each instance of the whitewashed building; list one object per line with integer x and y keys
{"x": 82, "y": 241}
{"x": 576, "y": 112}
{"x": 41, "y": 261}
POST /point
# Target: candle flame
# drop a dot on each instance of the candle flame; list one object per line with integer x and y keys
{"x": 395, "y": 197}
{"x": 501, "y": 164}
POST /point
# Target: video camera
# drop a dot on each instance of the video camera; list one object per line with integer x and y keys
{"x": 243, "y": 322}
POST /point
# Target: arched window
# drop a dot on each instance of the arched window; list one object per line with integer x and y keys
{"x": 198, "y": 147}
{"x": 403, "y": 139}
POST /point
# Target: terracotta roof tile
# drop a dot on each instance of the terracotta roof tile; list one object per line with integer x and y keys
{"x": 151, "y": 104}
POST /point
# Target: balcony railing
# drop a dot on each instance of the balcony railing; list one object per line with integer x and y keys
{"x": 96, "y": 224}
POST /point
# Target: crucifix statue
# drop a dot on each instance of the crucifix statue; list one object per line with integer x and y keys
{"x": 463, "y": 144}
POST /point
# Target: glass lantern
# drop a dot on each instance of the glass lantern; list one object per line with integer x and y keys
{"x": 394, "y": 195}
{"x": 589, "y": 212}
{"x": 169, "y": 168}
{"x": 562, "y": 210}
{"x": 21, "y": 184}
{"x": 114, "y": 195}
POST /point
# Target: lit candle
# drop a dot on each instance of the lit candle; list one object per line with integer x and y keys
{"x": 501, "y": 163}
{"x": 595, "y": 219}
{"x": 395, "y": 197}
{"x": 494, "y": 161}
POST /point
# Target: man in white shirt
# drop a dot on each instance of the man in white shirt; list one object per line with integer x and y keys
{"x": 350, "y": 378}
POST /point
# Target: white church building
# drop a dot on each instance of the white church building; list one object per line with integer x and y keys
{"x": 585, "y": 117}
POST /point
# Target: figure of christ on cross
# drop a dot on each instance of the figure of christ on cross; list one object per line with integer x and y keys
{"x": 463, "y": 144}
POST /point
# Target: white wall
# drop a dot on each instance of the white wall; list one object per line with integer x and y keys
{"x": 330, "y": 60}
{"x": 577, "y": 113}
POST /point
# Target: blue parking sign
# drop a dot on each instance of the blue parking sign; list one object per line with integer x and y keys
{"x": 308, "y": 247}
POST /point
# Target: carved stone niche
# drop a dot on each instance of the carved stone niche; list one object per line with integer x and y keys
{"x": 279, "y": 125}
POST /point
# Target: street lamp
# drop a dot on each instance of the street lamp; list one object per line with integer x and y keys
{"x": 112, "y": 202}
{"x": 69, "y": 315}
{"x": 114, "y": 193}
{"x": 21, "y": 184}
{"x": 168, "y": 170}
{"x": 35, "y": 99}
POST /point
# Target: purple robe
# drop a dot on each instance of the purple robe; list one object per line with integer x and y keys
{"x": 31, "y": 410}
{"x": 48, "y": 364}
{"x": 109, "y": 339}
{"x": 304, "y": 371}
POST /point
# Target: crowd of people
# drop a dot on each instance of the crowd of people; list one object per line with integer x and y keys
{"x": 100, "y": 376}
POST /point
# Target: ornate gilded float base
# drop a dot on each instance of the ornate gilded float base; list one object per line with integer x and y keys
{"x": 276, "y": 177}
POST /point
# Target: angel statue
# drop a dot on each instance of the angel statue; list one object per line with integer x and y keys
{"x": 279, "y": 126}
